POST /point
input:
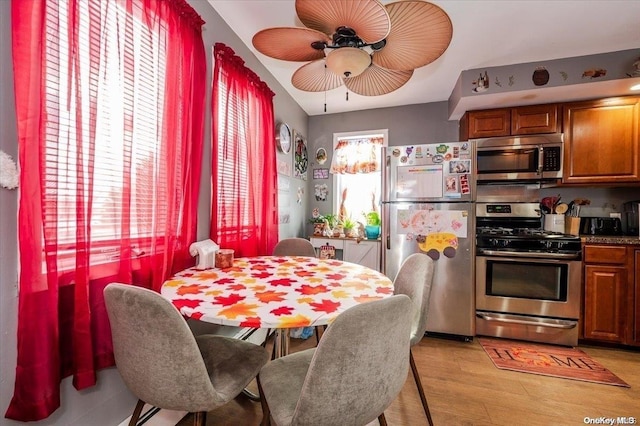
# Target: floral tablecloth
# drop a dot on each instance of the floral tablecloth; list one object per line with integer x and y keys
{"x": 275, "y": 291}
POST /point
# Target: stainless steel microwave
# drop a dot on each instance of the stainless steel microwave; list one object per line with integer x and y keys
{"x": 519, "y": 158}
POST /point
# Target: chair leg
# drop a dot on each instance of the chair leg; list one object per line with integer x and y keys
{"x": 382, "y": 421}
{"x": 264, "y": 344}
{"x": 136, "y": 413}
{"x": 317, "y": 335}
{"x": 200, "y": 418}
{"x": 266, "y": 413}
{"x": 423, "y": 398}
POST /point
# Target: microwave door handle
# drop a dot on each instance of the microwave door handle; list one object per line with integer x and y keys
{"x": 540, "y": 160}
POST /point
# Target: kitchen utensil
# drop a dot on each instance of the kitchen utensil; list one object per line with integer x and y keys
{"x": 562, "y": 208}
{"x": 546, "y": 204}
{"x": 556, "y": 201}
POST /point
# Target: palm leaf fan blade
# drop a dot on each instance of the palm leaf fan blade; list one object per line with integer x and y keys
{"x": 368, "y": 18}
{"x": 420, "y": 33}
{"x": 376, "y": 81}
{"x": 315, "y": 77}
{"x": 289, "y": 44}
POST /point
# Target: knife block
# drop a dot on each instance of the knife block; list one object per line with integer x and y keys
{"x": 572, "y": 225}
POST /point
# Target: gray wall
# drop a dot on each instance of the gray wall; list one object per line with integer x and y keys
{"x": 410, "y": 124}
{"x": 109, "y": 402}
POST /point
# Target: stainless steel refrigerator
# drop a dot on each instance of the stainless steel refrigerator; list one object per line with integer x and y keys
{"x": 428, "y": 195}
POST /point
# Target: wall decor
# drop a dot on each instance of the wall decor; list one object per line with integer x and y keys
{"x": 284, "y": 184}
{"x": 540, "y": 76}
{"x": 594, "y": 73}
{"x": 321, "y": 173}
{"x": 283, "y": 137}
{"x": 301, "y": 158}
{"x": 8, "y": 171}
{"x": 321, "y": 191}
{"x": 284, "y": 218}
{"x": 300, "y": 195}
{"x": 635, "y": 69}
{"x": 283, "y": 167}
{"x": 321, "y": 155}
{"x": 482, "y": 83}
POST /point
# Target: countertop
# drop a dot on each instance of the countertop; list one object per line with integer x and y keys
{"x": 610, "y": 239}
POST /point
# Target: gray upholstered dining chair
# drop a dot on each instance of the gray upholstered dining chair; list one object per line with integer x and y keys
{"x": 163, "y": 364}
{"x": 294, "y": 247}
{"x": 415, "y": 279}
{"x": 356, "y": 371}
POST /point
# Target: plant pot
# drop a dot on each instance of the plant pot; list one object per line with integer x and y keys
{"x": 372, "y": 232}
{"x": 318, "y": 228}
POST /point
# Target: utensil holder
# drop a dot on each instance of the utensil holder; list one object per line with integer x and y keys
{"x": 554, "y": 223}
{"x": 572, "y": 225}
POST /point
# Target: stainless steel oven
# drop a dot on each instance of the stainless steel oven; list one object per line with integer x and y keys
{"x": 527, "y": 279}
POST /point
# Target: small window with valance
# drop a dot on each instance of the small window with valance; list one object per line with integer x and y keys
{"x": 356, "y": 167}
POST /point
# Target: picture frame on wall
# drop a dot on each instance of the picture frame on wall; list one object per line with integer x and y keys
{"x": 300, "y": 156}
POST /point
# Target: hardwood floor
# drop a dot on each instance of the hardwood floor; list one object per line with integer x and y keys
{"x": 464, "y": 388}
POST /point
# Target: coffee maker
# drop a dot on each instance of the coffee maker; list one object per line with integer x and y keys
{"x": 631, "y": 210}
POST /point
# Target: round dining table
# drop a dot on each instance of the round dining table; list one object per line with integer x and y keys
{"x": 275, "y": 292}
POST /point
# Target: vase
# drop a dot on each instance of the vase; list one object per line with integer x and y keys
{"x": 372, "y": 232}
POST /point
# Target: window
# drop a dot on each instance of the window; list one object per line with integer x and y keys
{"x": 125, "y": 109}
{"x": 110, "y": 99}
{"x": 357, "y": 170}
{"x": 244, "y": 201}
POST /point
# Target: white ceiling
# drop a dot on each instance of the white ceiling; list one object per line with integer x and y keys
{"x": 486, "y": 33}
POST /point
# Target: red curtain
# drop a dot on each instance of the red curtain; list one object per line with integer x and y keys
{"x": 110, "y": 107}
{"x": 244, "y": 178}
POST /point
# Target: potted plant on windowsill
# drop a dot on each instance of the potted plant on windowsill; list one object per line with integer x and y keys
{"x": 372, "y": 228}
{"x": 322, "y": 222}
{"x": 349, "y": 226}
{"x": 319, "y": 223}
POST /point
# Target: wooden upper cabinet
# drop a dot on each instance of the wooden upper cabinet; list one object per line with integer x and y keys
{"x": 524, "y": 120}
{"x": 489, "y": 123}
{"x": 535, "y": 119}
{"x": 602, "y": 142}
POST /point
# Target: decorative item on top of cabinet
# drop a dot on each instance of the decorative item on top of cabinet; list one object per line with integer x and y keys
{"x": 605, "y": 293}
{"x": 523, "y": 120}
{"x": 602, "y": 141}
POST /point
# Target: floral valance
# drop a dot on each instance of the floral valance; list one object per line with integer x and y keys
{"x": 357, "y": 155}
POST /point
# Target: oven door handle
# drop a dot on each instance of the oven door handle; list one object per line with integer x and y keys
{"x": 551, "y": 256}
{"x": 538, "y": 322}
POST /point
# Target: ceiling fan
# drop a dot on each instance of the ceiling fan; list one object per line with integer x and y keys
{"x": 369, "y": 47}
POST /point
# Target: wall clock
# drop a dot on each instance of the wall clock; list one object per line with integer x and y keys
{"x": 283, "y": 137}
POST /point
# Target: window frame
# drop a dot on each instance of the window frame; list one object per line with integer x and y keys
{"x": 361, "y": 134}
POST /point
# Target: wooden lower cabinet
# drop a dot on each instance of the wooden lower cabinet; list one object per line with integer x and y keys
{"x": 636, "y": 298}
{"x": 611, "y": 309}
{"x": 605, "y": 301}
{"x": 362, "y": 252}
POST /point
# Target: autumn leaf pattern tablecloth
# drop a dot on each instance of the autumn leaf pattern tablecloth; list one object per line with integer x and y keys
{"x": 275, "y": 291}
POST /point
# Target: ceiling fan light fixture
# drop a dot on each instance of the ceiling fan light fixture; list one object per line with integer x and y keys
{"x": 348, "y": 61}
